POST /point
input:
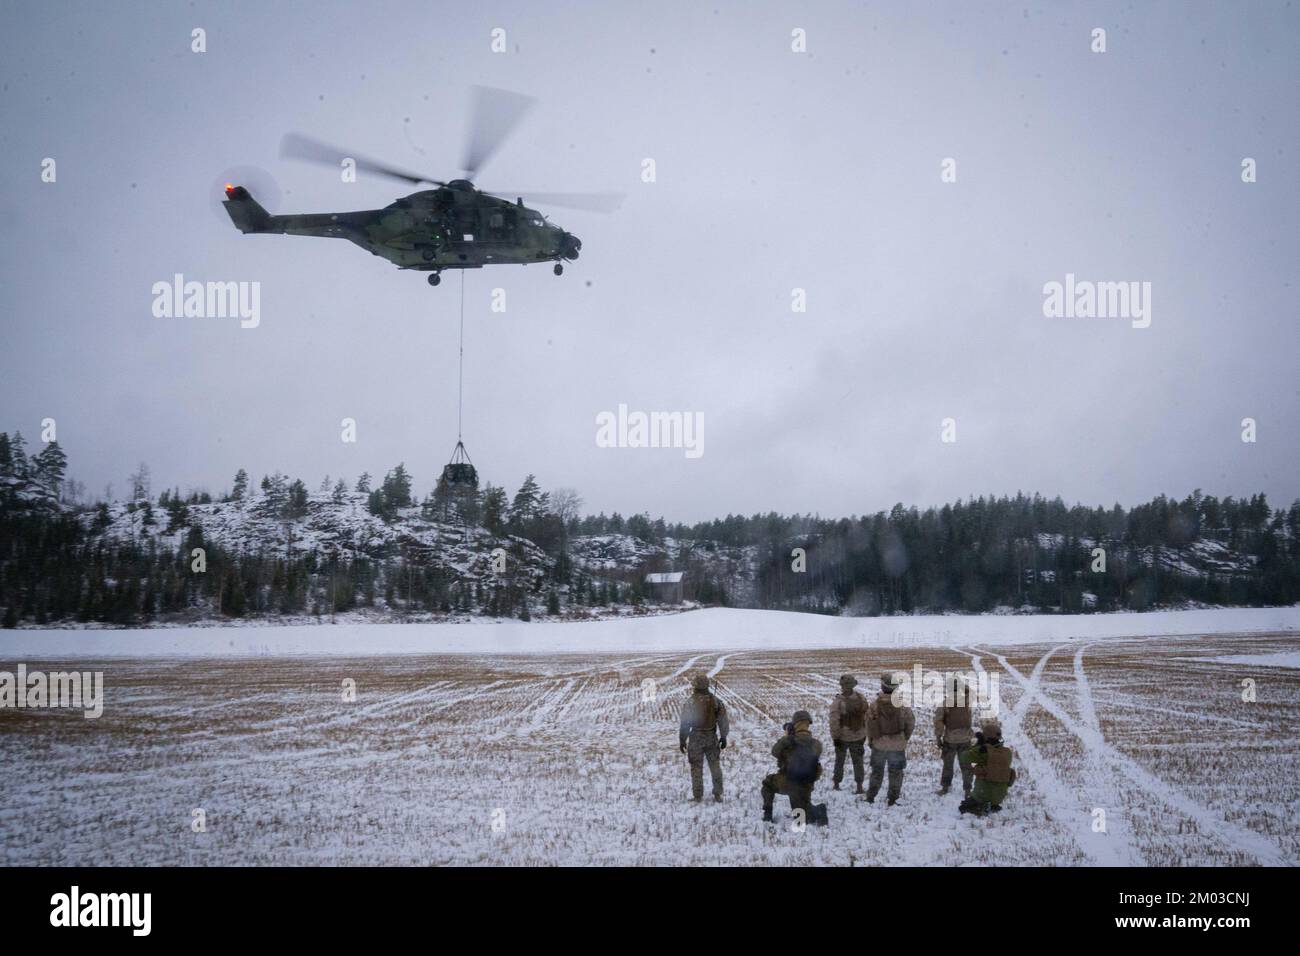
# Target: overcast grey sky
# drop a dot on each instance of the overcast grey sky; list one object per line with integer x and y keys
{"x": 776, "y": 170}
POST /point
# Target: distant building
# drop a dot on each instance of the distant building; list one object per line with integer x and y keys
{"x": 665, "y": 587}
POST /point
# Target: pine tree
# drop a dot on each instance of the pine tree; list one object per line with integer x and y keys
{"x": 295, "y": 505}
{"x": 140, "y": 483}
{"x": 526, "y": 504}
{"x": 48, "y": 468}
{"x": 397, "y": 488}
{"x": 363, "y": 483}
{"x": 18, "y": 456}
{"x": 241, "y": 486}
{"x": 494, "y": 508}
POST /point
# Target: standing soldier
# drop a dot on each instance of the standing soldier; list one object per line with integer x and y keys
{"x": 994, "y": 774}
{"x": 952, "y": 732}
{"x": 848, "y": 730}
{"x": 798, "y": 765}
{"x": 701, "y": 735}
{"x": 889, "y": 727}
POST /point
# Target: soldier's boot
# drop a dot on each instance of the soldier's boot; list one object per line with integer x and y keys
{"x": 699, "y": 799}
{"x": 717, "y": 798}
{"x": 943, "y": 790}
{"x": 835, "y": 785}
{"x": 995, "y": 808}
{"x": 895, "y": 788}
{"x": 873, "y": 787}
{"x": 767, "y": 813}
{"x": 857, "y": 787}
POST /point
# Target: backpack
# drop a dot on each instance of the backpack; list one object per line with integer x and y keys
{"x": 704, "y": 711}
{"x": 958, "y": 717}
{"x": 853, "y": 712}
{"x": 998, "y": 769}
{"x": 801, "y": 763}
{"x": 885, "y": 720}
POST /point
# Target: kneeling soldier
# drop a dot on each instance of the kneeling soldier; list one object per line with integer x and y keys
{"x": 798, "y": 765}
{"x": 701, "y": 735}
{"x": 994, "y": 775}
{"x": 848, "y": 730}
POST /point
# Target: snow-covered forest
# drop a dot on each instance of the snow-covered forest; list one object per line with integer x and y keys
{"x": 274, "y": 547}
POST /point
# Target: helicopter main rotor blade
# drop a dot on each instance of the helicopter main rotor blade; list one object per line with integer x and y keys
{"x": 296, "y": 146}
{"x": 494, "y": 114}
{"x": 588, "y": 202}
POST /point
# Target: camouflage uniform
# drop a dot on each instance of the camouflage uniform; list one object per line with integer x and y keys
{"x": 888, "y": 730}
{"x": 795, "y": 782}
{"x": 702, "y": 735}
{"x": 848, "y": 720}
{"x": 990, "y": 760}
{"x": 952, "y": 733}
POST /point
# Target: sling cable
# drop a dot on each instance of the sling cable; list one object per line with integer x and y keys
{"x": 459, "y": 474}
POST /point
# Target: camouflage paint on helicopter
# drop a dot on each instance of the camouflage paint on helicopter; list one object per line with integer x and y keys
{"x": 453, "y": 227}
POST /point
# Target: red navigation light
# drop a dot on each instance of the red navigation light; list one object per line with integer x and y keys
{"x": 229, "y": 188}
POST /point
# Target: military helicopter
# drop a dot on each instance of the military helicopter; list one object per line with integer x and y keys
{"x": 453, "y": 226}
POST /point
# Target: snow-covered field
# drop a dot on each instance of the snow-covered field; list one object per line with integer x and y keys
{"x": 717, "y": 629}
{"x": 558, "y": 755}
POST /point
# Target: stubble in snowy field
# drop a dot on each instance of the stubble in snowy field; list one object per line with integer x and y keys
{"x": 566, "y": 759}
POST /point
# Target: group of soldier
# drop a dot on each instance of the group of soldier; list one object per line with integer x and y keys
{"x": 873, "y": 732}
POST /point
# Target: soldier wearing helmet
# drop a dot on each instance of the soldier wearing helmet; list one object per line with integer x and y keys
{"x": 848, "y": 722}
{"x": 889, "y": 727}
{"x": 990, "y": 761}
{"x": 798, "y": 765}
{"x": 702, "y": 735}
{"x": 952, "y": 732}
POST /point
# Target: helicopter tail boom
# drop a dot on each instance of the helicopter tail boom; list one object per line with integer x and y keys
{"x": 244, "y": 210}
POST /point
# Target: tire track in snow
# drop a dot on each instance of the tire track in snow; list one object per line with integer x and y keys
{"x": 684, "y": 668}
{"x": 1055, "y": 794}
{"x": 1236, "y": 836}
{"x": 1021, "y": 707}
{"x": 619, "y": 706}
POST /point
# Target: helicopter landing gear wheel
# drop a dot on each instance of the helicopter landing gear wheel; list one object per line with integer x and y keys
{"x": 559, "y": 269}
{"x": 434, "y": 278}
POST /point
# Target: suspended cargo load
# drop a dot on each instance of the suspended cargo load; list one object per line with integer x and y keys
{"x": 460, "y": 471}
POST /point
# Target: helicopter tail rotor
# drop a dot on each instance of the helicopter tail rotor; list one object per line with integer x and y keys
{"x": 251, "y": 181}
{"x": 245, "y": 211}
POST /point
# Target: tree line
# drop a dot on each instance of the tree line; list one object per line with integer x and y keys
{"x": 56, "y": 563}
